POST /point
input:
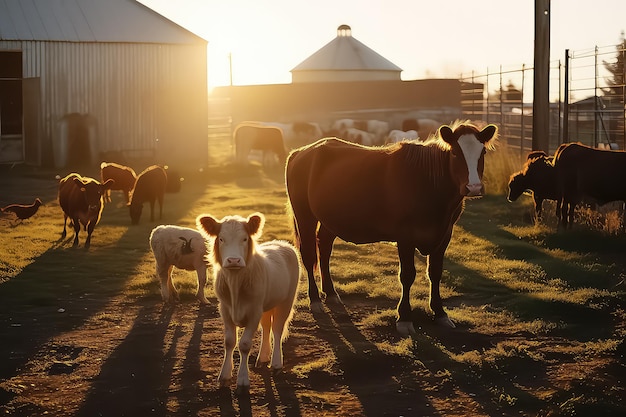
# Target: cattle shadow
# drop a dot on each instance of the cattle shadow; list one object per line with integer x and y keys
{"x": 364, "y": 366}
{"x": 135, "y": 377}
{"x": 576, "y": 322}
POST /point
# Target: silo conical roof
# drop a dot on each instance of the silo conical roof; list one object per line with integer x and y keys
{"x": 346, "y": 53}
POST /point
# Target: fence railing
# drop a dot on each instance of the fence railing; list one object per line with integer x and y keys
{"x": 582, "y": 91}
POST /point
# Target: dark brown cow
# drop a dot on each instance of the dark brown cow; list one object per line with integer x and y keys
{"x": 250, "y": 136}
{"x": 588, "y": 173}
{"x": 409, "y": 193}
{"x": 81, "y": 199}
{"x": 537, "y": 176}
{"x": 150, "y": 186}
{"x": 123, "y": 176}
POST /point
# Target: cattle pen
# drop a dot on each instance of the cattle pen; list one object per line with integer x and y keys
{"x": 587, "y": 89}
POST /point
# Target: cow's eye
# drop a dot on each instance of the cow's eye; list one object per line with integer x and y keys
{"x": 221, "y": 240}
{"x": 245, "y": 239}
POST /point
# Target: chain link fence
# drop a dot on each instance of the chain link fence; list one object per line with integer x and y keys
{"x": 587, "y": 89}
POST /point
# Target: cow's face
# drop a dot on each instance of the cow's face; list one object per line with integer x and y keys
{"x": 93, "y": 192}
{"x": 234, "y": 238}
{"x": 467, "y": 162}
{"x": 135, "y": 212}
{"x": 517, "y": 186}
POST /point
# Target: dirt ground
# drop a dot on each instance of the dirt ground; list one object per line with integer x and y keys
{"x": 142, "y": 357}
{"x": 124, "y": 355}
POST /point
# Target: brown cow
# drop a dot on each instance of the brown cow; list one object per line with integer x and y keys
{"x": 250, "y": 136}
{"x": 588, "y": 173}
{"x": 150, "y": 186}
{"x": 537, "y": 176}
{"x": 123, "y": 176}
{"x": 81, "y": 199}
{"x": 409, "y": 193}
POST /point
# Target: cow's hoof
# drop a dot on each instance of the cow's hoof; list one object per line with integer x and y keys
{"x": 333, "y": 299}
{"x": 242, "y": 389}
{"x": 261, "y": 364}
{"x": 405, "y": 328}
{"x": 316, "y": 307}
{"x": 445, "y": 322}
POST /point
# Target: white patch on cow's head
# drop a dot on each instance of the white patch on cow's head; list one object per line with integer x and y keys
{"x": 472, "y": 151}
{"x": 234, "y": 244}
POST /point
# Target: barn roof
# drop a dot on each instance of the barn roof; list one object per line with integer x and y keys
{"x": 88, "y": 21}
{"x": 346, "y": 53}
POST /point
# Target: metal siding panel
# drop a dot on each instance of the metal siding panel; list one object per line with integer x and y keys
{"x": 137, "y": 92}
{"x": 89, "y": 20}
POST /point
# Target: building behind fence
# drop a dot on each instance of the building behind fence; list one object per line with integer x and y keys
{"x": 582, "y": 91}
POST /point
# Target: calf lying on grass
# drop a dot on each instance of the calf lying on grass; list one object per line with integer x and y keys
{"x": 254, "y": 282}
{"x": 180, "y": 247}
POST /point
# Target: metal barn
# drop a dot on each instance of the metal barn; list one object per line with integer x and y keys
{"x": 81, "y": 78}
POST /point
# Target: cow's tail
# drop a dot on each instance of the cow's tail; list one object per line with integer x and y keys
{"x": 295, "y": 234}
{"x": 295, "y": 237}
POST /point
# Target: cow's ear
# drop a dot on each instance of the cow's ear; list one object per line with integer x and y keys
{"x": 487, "y": 133}
{"x": 208, "y": 224}
{"x": 256, "y": 221}
{"x": 446, "y": 134}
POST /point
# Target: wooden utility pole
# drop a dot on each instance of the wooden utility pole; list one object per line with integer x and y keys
{"x": 541, "y": 73}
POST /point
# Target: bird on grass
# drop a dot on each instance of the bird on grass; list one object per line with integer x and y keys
{"x": 22, "y": 211}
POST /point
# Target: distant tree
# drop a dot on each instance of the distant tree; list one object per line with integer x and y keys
{"x": 617, "y": 81}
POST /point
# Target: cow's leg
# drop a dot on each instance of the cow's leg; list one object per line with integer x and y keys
{"x": 160, "y": 198}
{"x": 265, "y": 349}
{"x": 230, "y": 340}
{"x": 567, "y": 213}
{"x": 325, "y": 240}
{"x": 172, "y": 291}
{"x": 201, "y": 272}
{"x": 308, "y": 251}
{"x": 245, "y": 345}
{"x": 76, "y": 231}
{"x": 89, "y": 228}
{"x": 434, "y": 267}
{"x": 280, "y": 321}
{"x": 64, "y": 233}
{"x": 538, "y": 208}
{"x": 163, "y": 274}
{"x": 406, "y": 253}
{"x": 152, "y": 210}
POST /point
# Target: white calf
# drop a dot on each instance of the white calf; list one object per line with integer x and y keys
{"x": 253, "y": 283}
{"x": 179, "y": 247}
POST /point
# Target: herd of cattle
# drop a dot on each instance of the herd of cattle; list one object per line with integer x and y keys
{"x": 276, "y": 139}
{"x": 409, "y": 191}
{"x": 576, "y": 174}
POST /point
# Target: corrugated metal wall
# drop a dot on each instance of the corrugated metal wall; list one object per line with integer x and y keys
{"x": 138, "y": 93}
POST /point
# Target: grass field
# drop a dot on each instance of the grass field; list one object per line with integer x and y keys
{"x": 540, "y": 315}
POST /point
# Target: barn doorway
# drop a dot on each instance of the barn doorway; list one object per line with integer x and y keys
{"x": 11, "y": 113}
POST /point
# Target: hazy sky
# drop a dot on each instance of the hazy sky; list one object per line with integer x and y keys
{"x": 427, "y": 39}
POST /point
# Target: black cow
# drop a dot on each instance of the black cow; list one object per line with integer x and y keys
{"x": 537, "y": 176}
{"x": 588, "y": 173}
